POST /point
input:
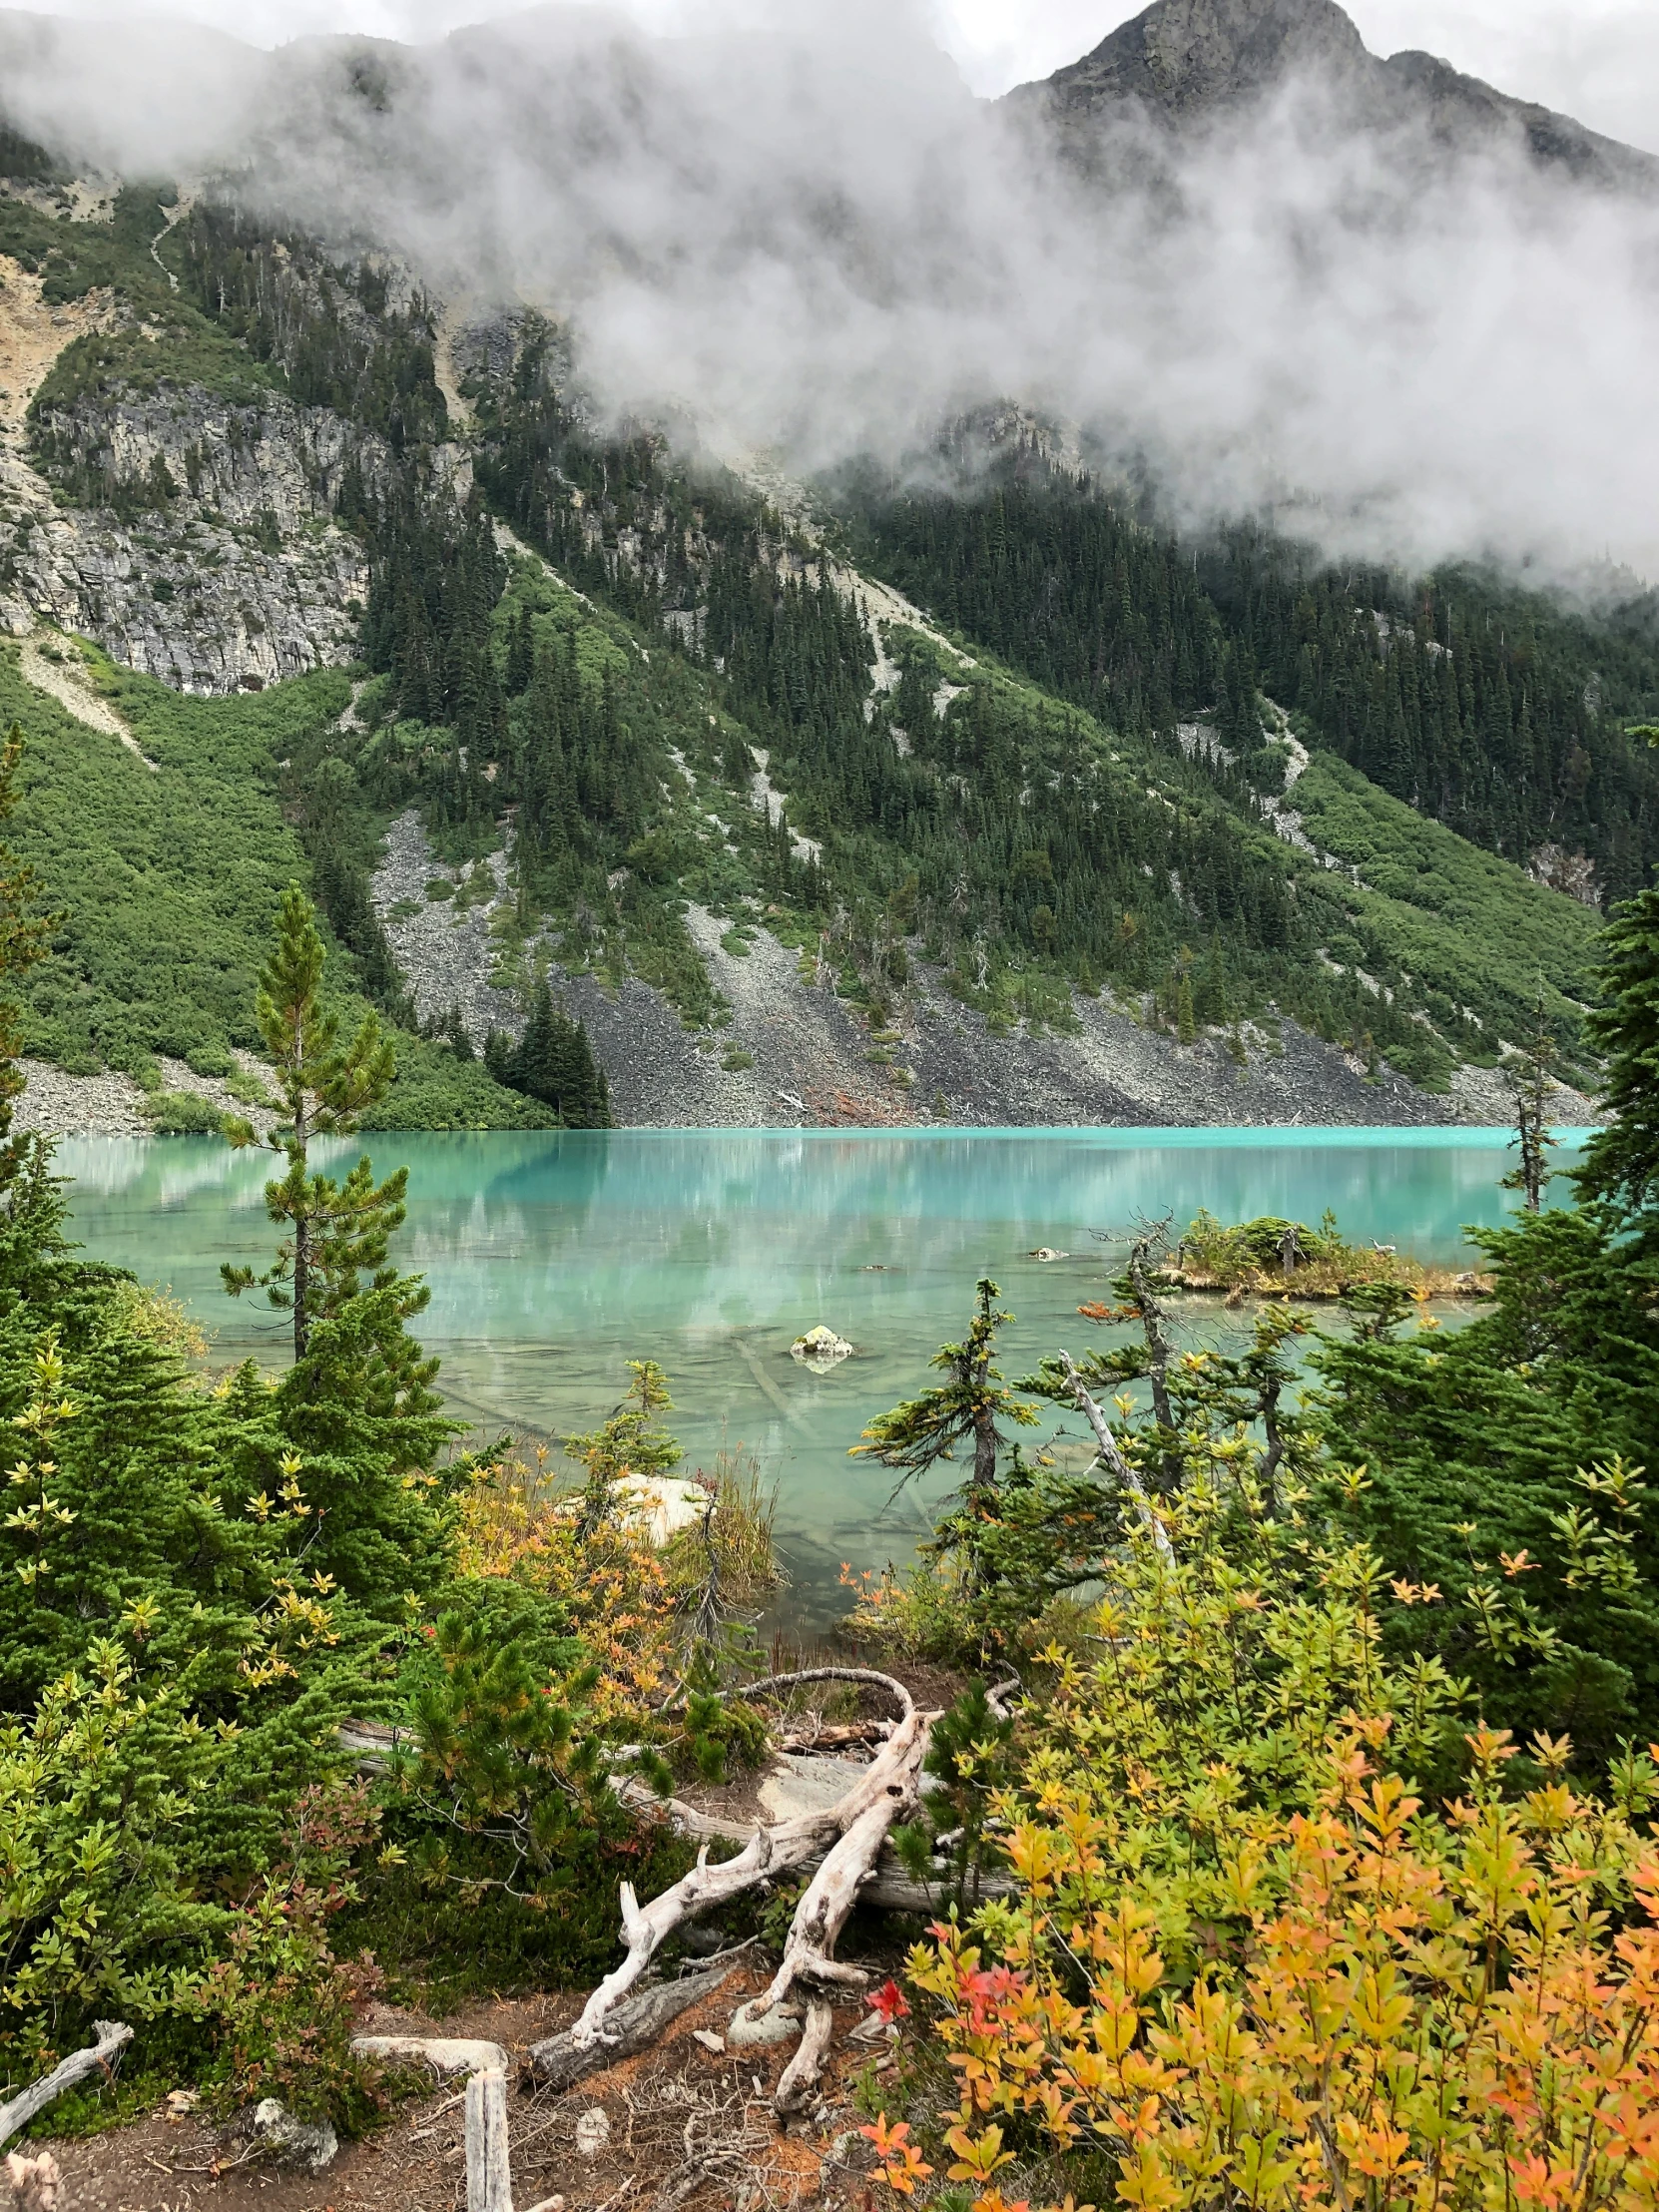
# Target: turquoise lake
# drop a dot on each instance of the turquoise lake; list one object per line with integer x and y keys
{"x": 555, "y": 1259}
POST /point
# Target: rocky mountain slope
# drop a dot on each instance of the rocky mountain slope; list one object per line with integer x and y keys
{"x": 666, "y": 734}
{"x": 1180, "y": 64}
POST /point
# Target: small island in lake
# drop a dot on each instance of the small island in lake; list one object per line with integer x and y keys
{"x": 1270, "y": 1257}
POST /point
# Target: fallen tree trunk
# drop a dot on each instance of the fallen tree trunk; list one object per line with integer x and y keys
{"x": 489, "y": 2179}
{"x": 768, "y": 1852}
{"x": 445, "y": 2053}
{"x": 559, "y": 2063}
{"x": 822, "y": 1912}
{"x": 855, "y": 1829}
{"x": 113, "y": 2037}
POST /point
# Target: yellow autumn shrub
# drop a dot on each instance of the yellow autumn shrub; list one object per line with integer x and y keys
{"x": 1245, "y": 1962}
{"x": 613, "y": 1588}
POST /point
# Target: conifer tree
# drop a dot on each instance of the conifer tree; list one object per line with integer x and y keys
{"x": 336, "y": 1232}
{"x": 1533, "y": 1086}
{"x": 29, "y": 1209}
{"x": 553, "y": 1062}
{"x": 969, "y": 1407}
{"x": 1621, "y": 1161}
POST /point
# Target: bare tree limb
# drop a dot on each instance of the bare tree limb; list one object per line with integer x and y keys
{"x": 113, "y": 2037}
{"x": 888, "y": 1682}
{"x": 888, "y": 1783}
{"x": 445, "y": 2053}
{"x": 799, "y": 2081}
{"x": 489, "y": 2179}
{"x": 1111, "y": 1452}
{"x": 829, "y": 1896}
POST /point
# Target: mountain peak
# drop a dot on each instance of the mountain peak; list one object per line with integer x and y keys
{"x": 1182, "y": 56}
{"x": 1181, "y": 61}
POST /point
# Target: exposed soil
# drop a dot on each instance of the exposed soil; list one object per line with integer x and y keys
{"x": 54, "y": 666}
{"x": 33, "y": 334}
{"x": 687, "y": 2127}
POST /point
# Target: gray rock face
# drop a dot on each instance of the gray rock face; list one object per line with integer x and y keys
{"x": 1183, "y": 62}
{"x": 1185, "y": 57}
{"x": 236, "y": 578}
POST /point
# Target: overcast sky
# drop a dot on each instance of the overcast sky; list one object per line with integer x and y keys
{"x": 1596, "y": 59}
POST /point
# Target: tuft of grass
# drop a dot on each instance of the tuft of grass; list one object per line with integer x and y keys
{"x": 739, "y": 1533}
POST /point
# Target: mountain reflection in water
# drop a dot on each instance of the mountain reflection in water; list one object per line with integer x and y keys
{"x": 555, "y": 1259}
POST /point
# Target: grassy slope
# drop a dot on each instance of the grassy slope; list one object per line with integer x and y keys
{"x": 1453, "y": 916}
{"x": 168, "y": 882}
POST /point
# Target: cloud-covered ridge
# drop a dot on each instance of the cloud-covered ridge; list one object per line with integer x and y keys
{"x": 811, "y": 237}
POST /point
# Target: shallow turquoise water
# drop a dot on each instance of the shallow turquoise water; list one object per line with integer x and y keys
{"x": 555, "y": 1259}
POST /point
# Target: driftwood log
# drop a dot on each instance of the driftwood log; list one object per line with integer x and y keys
{"x": 820, "y": 1916}
{"x": 489, "y": 2181}
{"x": 845, "y": 1841}
{"x": 113, "y": 2037}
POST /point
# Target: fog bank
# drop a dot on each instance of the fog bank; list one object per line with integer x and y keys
{"x": 801, "y": 227}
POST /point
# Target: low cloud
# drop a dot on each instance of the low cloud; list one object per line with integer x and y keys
{"x": 801, "y": 226}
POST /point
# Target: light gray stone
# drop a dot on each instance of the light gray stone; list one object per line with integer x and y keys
{"x": 310, "y": 2146}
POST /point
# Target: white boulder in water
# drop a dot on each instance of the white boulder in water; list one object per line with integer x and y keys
{"x": 821, "y": 1347}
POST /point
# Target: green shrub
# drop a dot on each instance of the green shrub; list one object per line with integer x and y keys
{"x": 184, "y": 1114}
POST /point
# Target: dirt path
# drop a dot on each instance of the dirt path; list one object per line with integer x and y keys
{"x": 682, "y": 2125}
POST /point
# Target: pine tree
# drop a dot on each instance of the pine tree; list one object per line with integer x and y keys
{"x": 554, "y": 1063}
{"x": 969, "y": 1405}
{"x": 337, "y": 1231}
{"x": 31, "y": 1210}
{"x": 1531, "y": 1081}
{"x": 1621, "y": 1162}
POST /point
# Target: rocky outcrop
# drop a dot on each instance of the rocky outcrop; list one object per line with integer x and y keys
{"x": 792, "y": 1055}
{"x": 1185, "y": 58}
{"x": 203, "y": 605}
{"x": 191, "y": 535}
